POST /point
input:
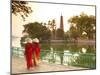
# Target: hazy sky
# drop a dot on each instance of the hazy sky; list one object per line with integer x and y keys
{"x": 42, "y": 12}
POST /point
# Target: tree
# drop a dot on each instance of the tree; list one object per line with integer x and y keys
{"x": 52, "y": 26}
{"x": 37, "y": 30}
{"x": 67, "y": 36}
{"x": 21, "y": 7}
{"x": 74, "y": 32}
{"x": 84, "y": 23}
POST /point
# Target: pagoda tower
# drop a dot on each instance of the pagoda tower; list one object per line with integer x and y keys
{"x": 61, "y": 23}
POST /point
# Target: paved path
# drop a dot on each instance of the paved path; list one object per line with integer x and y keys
{"x": 19, "y": 66}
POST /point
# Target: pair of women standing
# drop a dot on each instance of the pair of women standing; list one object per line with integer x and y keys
{"x": 32, "y": 52}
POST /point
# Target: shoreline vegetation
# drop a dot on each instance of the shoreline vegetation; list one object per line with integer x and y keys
{"x": 70, "y": 41}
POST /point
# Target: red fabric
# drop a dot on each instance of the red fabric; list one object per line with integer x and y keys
{"x": 36, "y": 50}
{"x": 28, "y": 54}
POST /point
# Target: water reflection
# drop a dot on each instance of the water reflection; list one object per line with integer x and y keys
{"x": 69, "y": 54}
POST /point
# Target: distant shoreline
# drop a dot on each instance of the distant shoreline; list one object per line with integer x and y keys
{"x": 71, "y": 41}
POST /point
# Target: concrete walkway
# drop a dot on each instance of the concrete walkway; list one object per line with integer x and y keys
{"x": 19, "y": 66}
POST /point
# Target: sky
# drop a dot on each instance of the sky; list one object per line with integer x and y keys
{"x": 43, "y": 12}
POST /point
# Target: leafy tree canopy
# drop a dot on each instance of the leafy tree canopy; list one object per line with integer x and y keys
{"x": 37, "y": 30}
{"x": 21, "y": 7}
{"x": 84, "y": 23}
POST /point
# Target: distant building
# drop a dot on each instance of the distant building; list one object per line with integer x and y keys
{"x": 61, "y": 23}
